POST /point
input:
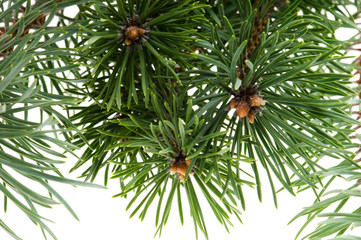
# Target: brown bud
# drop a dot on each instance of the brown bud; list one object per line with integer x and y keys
{"x": 141, "y": 31}
{"x": 182, "y": 169}
{"x": 132, "y": 33}
{"x": 188, "y": 162}
{"x": 242, "y": 109}
{"x": 173, "y": 169}
{"x": 256, "y": 101}
{"x": 181, "y": 177}
{"x": 233, "y": 103}
{"x": 251, "y": 115}
{"x": 128, "y": 42}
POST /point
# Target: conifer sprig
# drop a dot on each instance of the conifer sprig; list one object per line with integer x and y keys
{"x": 272, "y": 55}
{"x": 120, "y": 42}
{"x": 35, "y": 135}
{"x": 282, "y": 66}
{"x": 149, "y": 89}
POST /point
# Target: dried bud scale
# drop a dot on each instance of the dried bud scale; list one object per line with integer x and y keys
{"x": 258, "y": 26}
{"x": 38, "y": 22}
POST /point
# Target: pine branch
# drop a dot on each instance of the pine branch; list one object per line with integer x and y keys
{"x": 172, "y": 96}
{"x": 35, "y": 136}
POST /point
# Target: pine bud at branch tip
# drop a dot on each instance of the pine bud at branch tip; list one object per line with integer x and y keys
{"x": 182, "y": 169}
{"x": 181, "y": 177}
{"x": 242, "y": 109}
{"x": 173, "y": 169}
{"x": 132, "y": 33}
{"x": 233, "y": 103}
{"x": 251, "y": 115}
{"x": 128, "y": 42}
{"x": 180, "y": 166}
{"x": 141, "y": 31}
{"x": 256, "y": 101}
{"x": 248, "y": 102}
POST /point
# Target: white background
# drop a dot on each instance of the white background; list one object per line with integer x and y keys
{"x": 104, "y": 218}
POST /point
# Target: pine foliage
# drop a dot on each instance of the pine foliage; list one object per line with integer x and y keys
{"x": 181, "y": 100}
